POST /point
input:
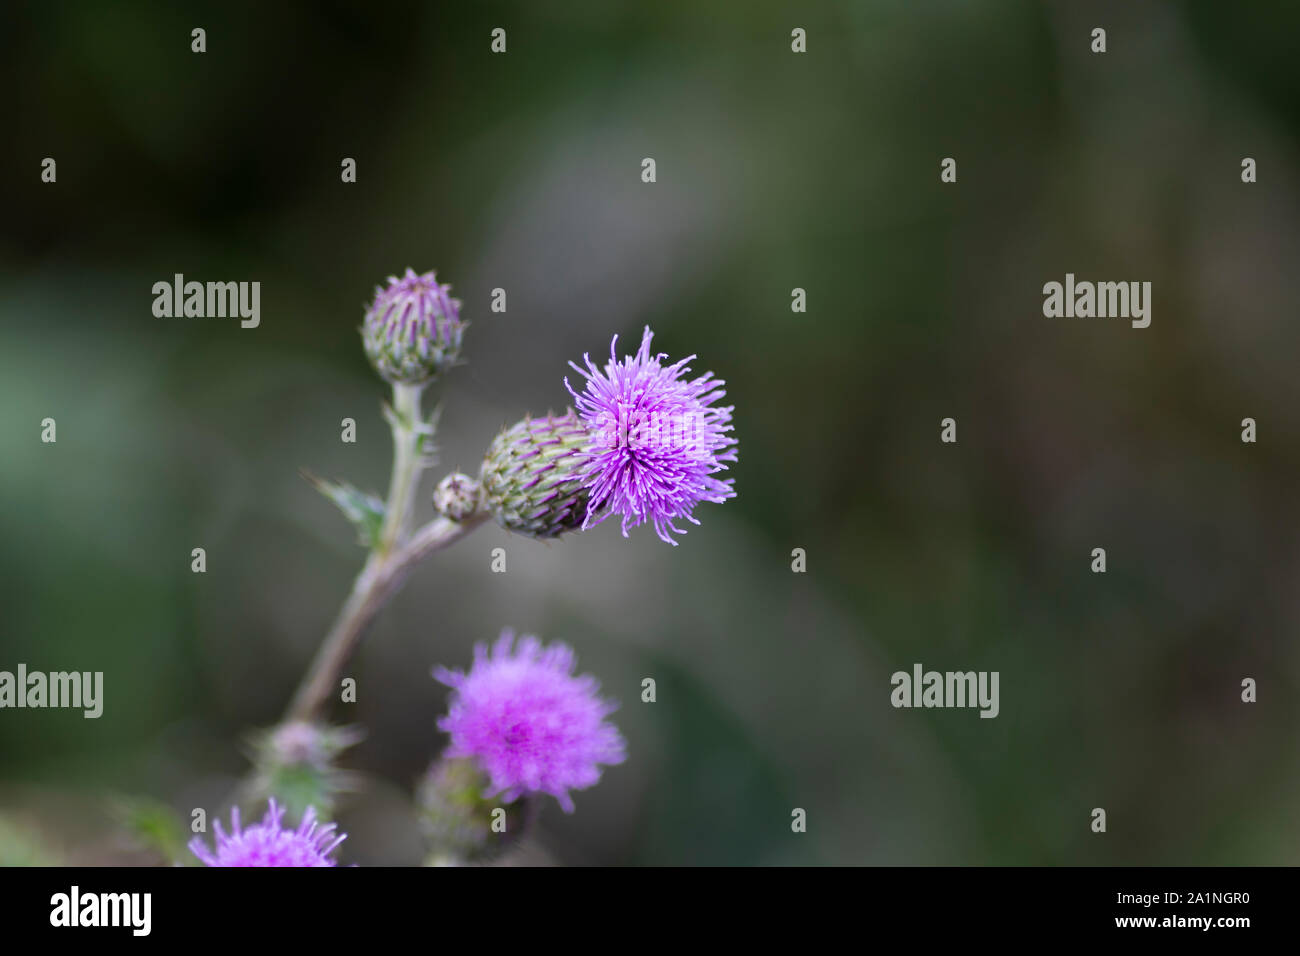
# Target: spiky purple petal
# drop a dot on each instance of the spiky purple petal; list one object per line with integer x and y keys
{"x": 268, "y": 843}
{"x": 657, "y": 439}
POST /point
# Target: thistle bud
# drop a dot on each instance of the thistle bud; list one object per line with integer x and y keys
{"x": 412, "y": 330}
{"x": 531, "y": 480}
{"x": 457, "y": 496}
{"x": 295, "y": 763}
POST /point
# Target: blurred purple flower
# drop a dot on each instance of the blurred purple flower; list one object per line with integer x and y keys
{"x": 268, "y": 844}
{"x": 530, "y": 724}
{"x": 657, "y": 440}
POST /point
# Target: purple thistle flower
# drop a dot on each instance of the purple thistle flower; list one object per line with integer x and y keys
{"x": 529, "y": 723}
{"x": 657, "y": 440}
{"x": 268, "y": 844}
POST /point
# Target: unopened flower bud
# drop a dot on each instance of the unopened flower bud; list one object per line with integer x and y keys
{"x": 296, "y": 764}
{"x": 531, "y": 480}
{"x": 412, "y": 330}
{"x": 457, "y": 496}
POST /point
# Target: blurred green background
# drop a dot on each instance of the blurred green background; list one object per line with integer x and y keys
{"x": 775, "y": 171}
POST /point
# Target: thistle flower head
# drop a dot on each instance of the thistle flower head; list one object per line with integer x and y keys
{"x": 530, "y": 477}
{"x": 412, "y": 330}
{"x": 657, "y": 439}
{"x": 529, "y": 723}
{"x": 269, "y": 844}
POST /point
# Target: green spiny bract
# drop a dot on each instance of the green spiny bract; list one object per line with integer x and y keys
{"x": 296, "y": 764}
{"x": 458, "y": 820}
{"x": 531, "y": 481}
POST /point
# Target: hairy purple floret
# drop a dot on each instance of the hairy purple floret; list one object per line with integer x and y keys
{"x": 529, "y": 723}
{"x": 269, "y": 844}
{"x": 657, "y": 439}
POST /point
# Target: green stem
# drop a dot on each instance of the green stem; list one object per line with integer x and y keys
{"x": 390, "y": 562}
{"x": 408, "y": 465}
{"x": 381, "y": 578}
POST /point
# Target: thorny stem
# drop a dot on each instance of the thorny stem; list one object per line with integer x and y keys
{"x": 394, "y": 555}
{"x": 381, "y": 578}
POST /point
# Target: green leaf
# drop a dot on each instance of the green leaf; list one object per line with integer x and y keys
{"x": 365, "y": 511}
{"x": 19, "y": 846}
{"x": 153, "y": 826}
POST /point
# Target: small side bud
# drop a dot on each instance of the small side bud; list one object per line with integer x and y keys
{"x": 457, "y": 496}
